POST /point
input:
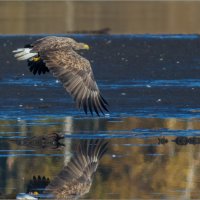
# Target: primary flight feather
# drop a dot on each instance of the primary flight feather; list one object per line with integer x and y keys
{"x": 58, "y": 55}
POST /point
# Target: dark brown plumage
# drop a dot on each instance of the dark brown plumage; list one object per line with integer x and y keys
{"x": 58, "y": 54}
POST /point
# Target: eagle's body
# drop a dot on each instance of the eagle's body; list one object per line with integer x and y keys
{"x": 58, "y": 55}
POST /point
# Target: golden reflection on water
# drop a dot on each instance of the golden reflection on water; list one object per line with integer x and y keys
{"x": 139, "y": 175}
{"x": 70, "y": 125}
{"x": 26, "y": 17}
{"x": 154, "y": 123}
{"x": 131, "y": 168}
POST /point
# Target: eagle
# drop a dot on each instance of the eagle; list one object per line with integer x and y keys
{"x": 58, "y": 55}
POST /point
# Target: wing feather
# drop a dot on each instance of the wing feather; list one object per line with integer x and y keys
{"x": 77, "y": 77}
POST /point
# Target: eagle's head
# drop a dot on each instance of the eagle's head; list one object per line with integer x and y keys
{"x": 76, "y": 45}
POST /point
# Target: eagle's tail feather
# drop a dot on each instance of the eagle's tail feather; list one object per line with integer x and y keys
{"x": 24, "y": 53}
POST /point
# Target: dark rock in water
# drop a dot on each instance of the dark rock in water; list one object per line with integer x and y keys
{"x": 181, "y": 140}
{"x": 49, "y": 141}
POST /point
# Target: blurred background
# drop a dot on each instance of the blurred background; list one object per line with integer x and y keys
{"x": 31, "y": 17}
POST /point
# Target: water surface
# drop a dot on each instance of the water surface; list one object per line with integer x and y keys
{"x": 152, "y": 85}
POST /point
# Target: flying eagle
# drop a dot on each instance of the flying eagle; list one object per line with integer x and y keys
{"x": 58, "y": 55}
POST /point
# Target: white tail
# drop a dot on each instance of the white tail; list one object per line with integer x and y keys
{"x": 24, "y": 53}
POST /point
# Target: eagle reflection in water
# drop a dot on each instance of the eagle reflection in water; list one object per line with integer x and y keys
{"x": 75, "y": 179}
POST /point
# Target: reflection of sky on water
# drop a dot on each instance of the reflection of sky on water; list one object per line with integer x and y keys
{"x": 27, "y": 82}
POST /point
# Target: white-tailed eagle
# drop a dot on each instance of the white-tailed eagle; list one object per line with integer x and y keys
{"x": 58, "y": 55}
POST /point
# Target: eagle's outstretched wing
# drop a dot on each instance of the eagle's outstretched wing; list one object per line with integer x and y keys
{"x": 76, "y": 75}
{"x": 58, "y": 55}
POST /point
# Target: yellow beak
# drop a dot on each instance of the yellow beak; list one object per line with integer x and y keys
{"x": 85, "y": 46}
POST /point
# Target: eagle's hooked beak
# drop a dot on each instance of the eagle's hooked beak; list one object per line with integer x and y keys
{"x": 85, "y": 46}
